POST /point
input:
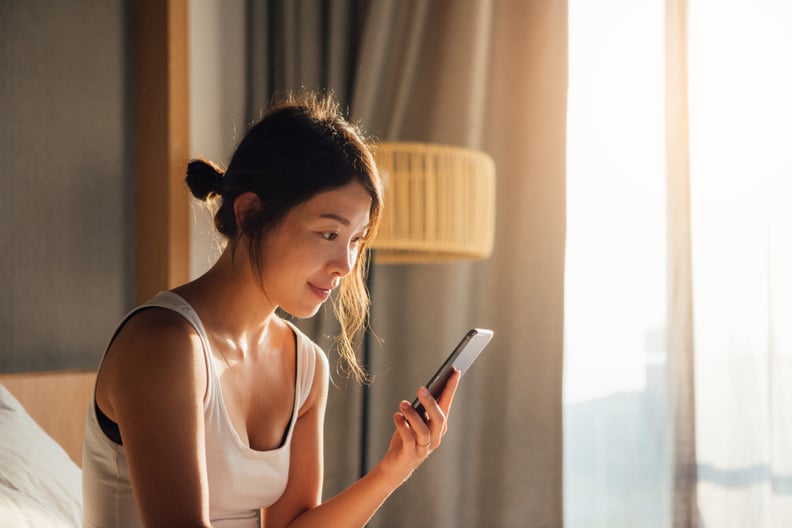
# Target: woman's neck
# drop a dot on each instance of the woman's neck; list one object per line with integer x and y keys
{"x": 231, "y": 304}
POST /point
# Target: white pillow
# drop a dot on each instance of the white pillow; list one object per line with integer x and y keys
{"x": 39, "y": 484}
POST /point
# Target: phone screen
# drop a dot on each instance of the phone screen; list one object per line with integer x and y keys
{"x": 461, "y": 358}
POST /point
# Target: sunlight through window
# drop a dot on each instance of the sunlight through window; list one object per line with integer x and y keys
{"x": 615, "y": 469}
{"x": 615, "y": 274}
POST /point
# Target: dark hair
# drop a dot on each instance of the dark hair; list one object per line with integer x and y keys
{"x": 302, "y": 146}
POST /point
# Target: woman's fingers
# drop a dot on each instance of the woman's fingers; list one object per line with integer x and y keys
{"x": 420, "y": 434}
{"x": 424, "y": 434}
{"x": 447, "y": 396}
{"x": 437, "y": 410}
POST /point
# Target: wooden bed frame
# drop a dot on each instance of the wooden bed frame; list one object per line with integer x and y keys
{"x": 57, "y": 401}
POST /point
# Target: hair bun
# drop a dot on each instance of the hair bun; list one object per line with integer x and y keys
{"x": 204, "y": 178}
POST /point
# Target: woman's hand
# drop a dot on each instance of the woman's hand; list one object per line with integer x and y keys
{"x": 415, "y": 439}
{"x": 411, "y": 443}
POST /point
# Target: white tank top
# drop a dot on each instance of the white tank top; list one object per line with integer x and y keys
{"x": 241, "y": 480}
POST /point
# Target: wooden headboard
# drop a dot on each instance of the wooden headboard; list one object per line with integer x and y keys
{"x": 57, "y": 401}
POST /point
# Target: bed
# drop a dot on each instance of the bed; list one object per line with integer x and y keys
{"x": 42, "y": 416}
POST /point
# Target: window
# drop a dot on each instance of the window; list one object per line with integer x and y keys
{"x": 616, "y": 468}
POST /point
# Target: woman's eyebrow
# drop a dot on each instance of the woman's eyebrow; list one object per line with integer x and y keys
{"x": 336, "y": 217}
{"x": 341, "y": 219}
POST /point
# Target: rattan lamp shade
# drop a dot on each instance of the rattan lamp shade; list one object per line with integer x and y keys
{"x": 439, "y": 203}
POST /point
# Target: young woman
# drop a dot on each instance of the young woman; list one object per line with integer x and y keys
{"x": 208, "y": 406}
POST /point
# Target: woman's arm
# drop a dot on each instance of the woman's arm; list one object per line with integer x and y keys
{"x": 306, "y": 468}
{"x": 411, "y": 443}
{"x": 154, "y": 380}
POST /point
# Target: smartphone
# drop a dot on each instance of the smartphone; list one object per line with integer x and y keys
{"x": 461, "y": 358}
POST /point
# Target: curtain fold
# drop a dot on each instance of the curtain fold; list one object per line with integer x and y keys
{"x": 681, "y": 364}
{"x": 297, "y": 44}
{"x": 488, "y": 75}
{"x": 393, "y": 33}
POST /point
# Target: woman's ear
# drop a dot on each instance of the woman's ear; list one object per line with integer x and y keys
{"x": 245, "y": 205}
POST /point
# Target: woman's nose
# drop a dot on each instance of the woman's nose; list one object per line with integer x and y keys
{"x": 343, "y": 261}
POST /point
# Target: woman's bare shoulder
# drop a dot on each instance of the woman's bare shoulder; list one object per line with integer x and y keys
{"x": 157, "y": 335}
{"x": 157, "y": 350}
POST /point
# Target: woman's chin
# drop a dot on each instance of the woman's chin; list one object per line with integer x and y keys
{"x": 302, "y": 312}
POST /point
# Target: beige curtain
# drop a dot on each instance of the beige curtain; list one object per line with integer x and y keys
{"x": 489, "y": 75}
{"x": 492, "y": 76}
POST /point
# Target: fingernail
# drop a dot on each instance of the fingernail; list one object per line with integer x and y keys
{"x": 424, "y": 391}
{"x": 404, "y": 405}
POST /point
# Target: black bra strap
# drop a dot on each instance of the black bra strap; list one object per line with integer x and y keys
{"x": 109, "y": 427}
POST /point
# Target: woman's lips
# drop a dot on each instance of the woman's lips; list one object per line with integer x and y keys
{"x": 322, "y": 293}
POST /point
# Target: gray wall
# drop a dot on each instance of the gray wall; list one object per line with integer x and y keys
{"x": 217, "y": 104}
{"x": 67, "y": 203}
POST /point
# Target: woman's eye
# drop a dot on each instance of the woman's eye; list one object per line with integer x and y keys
{"x": 330, "y": 236}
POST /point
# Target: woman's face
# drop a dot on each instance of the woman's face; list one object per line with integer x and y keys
{"x": 314, "y": 247}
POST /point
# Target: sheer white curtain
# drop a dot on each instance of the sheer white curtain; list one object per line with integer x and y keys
{"x": 641, "y": 328}
{"x": 616, "y": 469}
{"x": 740, "y": 99}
